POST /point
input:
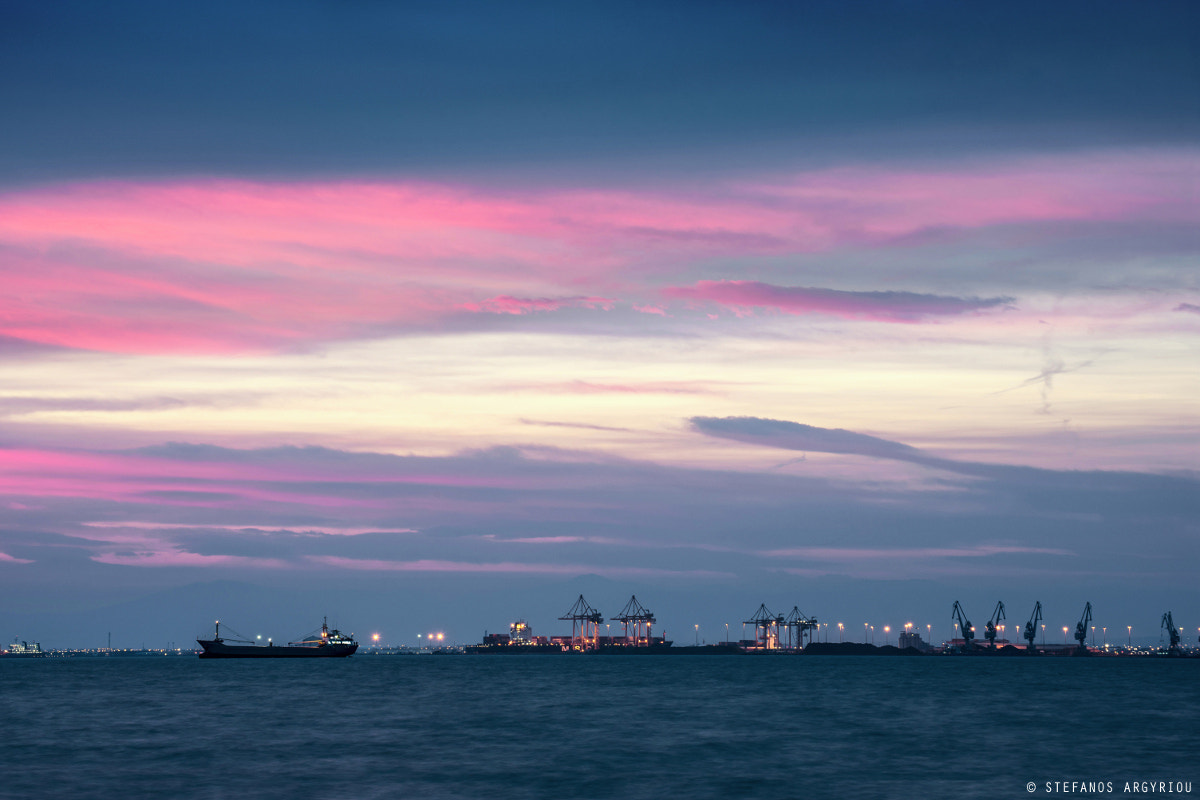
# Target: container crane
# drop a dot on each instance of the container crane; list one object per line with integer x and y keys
{"x": 989, "y": 632}
{"x": 1031, "y": 626}
{"x": 968, "y": 631}
{"x": 1081, "y": 628}
{"x": 766, "y": 627}
{"x": 634, "y": 612}
{"x": 585, "y": 625}
{"x": 1168, "y": 622}
{"x": 801, "y": 623}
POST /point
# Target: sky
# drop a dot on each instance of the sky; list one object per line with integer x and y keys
{"x": 431, "y": 316}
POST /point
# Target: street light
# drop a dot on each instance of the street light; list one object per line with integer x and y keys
{"x": 1064, "y": 634}
{"x": 726, "y": 633}
{"x": 1129, "y": 630}
{"x": 1043, "y": 634}
{"x": 886, "y": 630}
{"x": 841, "y": 629}
{"x": 697, "y": 635}
{"x": 865, "y": 626}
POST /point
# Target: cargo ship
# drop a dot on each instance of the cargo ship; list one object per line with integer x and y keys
{"x": 327, "y": 644}
{"x": 521, "y": 641}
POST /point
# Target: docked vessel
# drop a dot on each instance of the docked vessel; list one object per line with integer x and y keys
{"x": 327, "y": 644}
{"x": 23, "y": 649}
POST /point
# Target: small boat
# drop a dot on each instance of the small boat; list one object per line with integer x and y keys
{"x": 327, "y": 644}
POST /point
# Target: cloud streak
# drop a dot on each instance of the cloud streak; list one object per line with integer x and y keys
{"x": 223, "y": 266}
{"x": 745, "y": 296}
{"x": 1109, "y": 490}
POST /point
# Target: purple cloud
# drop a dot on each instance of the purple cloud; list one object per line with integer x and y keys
{"x": 878, "y": 306}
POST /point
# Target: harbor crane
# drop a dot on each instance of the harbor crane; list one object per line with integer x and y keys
{"x": 641, "y": 617}
{"x": 1168, "y": 622}
{"x": 968, "y": 630}
{"x": 766, "y": 627}
{"x": 585, "y": 620}
{"x": 1081, "y": 628}
{"x": 989, "y": 632}
{"x": 1031, "y": 626}
{"x": 800, "y": 623}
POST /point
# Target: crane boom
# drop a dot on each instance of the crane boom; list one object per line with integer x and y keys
{"x": 1031, "y": 626}
{"x": 1168, "y": 622}
{"x": 989, "y": 632}
{"x": 968, "y": 631}
{"x": 1081, "y": 628}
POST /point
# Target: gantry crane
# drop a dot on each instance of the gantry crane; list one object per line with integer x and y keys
{"x": 989, "y": 632}
{"x": 585, "y": 624}
{"x": 1081, "y": 628}
{"x": 801, "y": 624}
{"x": 1168, "y": 622}
{"x": 1031, "y": 626}
{"x": 766, "y": 627}
{"x": 641, "y": 617}
{"x": 968, "y": 631}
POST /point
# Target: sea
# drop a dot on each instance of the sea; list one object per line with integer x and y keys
{"x": 458, "y": 726}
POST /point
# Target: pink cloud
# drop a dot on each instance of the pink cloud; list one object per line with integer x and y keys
{"x": 743, "y": 296}
{"x": 235, "y": 266}
{"x": 180, "y": 558}
{"x": 433, "y": 565}
{"x": 5, "y": 558}
{"x": 171, "y": 526}
{"x": 504, "y": 304}
{"x": 890, "y": 553}
{"x": 221, "y": 483}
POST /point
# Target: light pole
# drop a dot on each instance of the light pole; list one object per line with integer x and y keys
{"x": 887, "y": 629}
{"x": 1104, "y": 642}
{"x": 726, "y": 633}
{"x": 865, "y": 626}
{"x": 1043, "y": 634}
{"x": 697, "y": 635}
{"x": 1129, "y": 630}
{"x": 841, "y": 630}
{"x": 929, "y": 634}
{"x": 1064, "y": 634}
{"x": 872, "y": 634}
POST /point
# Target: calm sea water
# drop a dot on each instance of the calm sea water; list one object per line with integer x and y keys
{"x": 592, "y": 727}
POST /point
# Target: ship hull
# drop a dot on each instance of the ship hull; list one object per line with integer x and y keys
{"x": 214, "y": 649}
